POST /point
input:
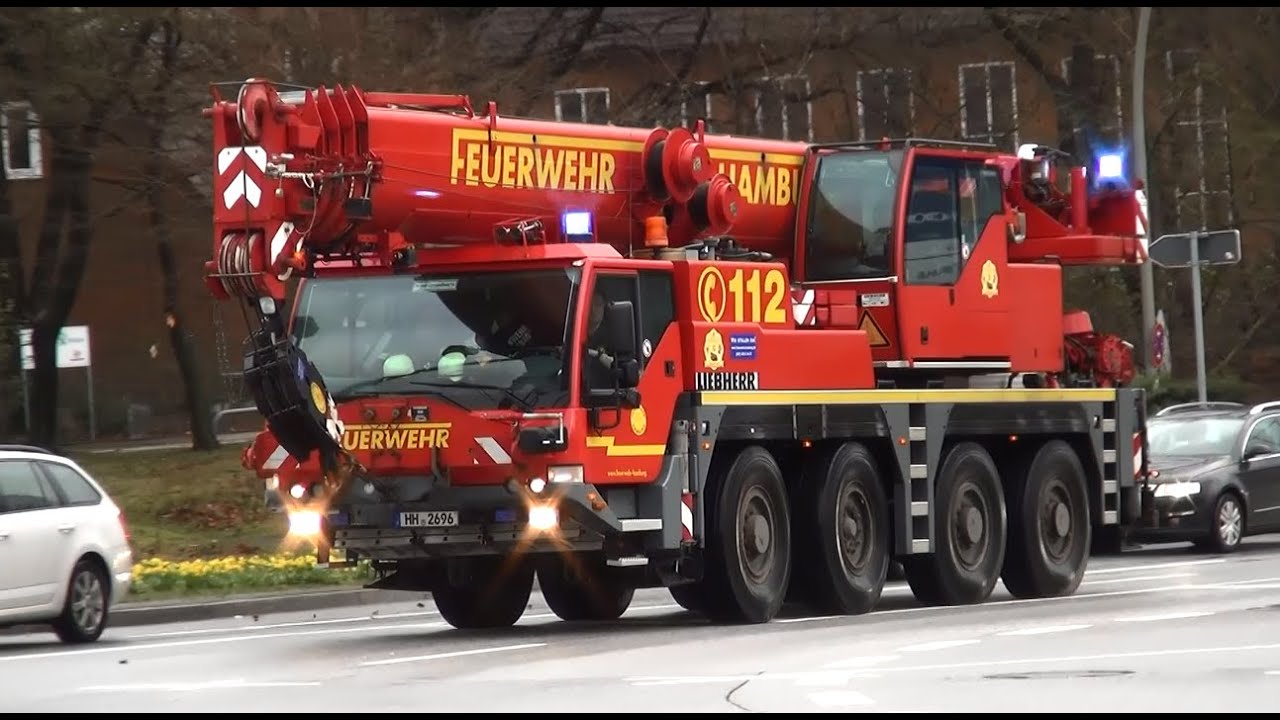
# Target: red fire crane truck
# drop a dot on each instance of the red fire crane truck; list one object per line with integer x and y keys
{"x": 616, "y": 357}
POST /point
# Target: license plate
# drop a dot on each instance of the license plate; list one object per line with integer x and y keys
{"x": 429, "y": 518}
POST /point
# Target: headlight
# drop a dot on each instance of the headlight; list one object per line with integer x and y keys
{"x": 1177, "y": 489}
{"x": 564, "y": 473}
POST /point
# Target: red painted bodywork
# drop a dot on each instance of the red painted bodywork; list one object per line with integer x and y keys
{"x": 469, "y": 189}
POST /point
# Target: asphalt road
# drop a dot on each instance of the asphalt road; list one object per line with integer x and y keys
{"x": 1160, "y": 629}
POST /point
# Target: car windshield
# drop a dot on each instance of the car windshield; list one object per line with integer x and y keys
{"x": 1192, "y": 436}
{"x": 481, "y": 340}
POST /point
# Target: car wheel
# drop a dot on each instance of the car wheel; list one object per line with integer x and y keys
{"x": 84, "y": 614}
{"x": 1228, "y": 524}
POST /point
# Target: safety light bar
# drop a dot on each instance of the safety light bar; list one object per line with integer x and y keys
{"x": 577, "y": 226}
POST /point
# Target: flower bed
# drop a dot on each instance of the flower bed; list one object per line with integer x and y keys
{"x": 237, "y": 574}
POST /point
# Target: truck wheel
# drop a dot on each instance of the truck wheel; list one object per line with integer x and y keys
{"x": 1049, "y": 528}
{"x": 690, "y": 596}
{"x": 842, "y": 556}
{"x": 492, "y": 593}
{"x": 969, "y": 532}
{"x": 749, "y": 547}
{"x": 581, "y": 587}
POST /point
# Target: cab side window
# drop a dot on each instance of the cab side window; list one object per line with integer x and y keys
{"x": 72, "y": 486}
{"x": 596, "y": 355}
{"x": 949, "y": 206}
{"x": 657, "y": 310}
{"x": 21, "y": 489}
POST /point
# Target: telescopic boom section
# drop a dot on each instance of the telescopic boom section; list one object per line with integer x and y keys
{"x": 341, "y": 172}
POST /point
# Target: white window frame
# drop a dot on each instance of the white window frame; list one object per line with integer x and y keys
{"x": 780, "y": 81}
{"x": 689, "y": 99}
{"x": 1116, "y": 128}
{"x": 1196, "y": 118}
{"x": 34, "y": 142}
{"x": 1013, "y": 100}
{"x": 582, "y": 93}
{"x": 911, "y": 98}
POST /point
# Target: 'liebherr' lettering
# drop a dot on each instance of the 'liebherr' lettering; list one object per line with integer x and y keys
{"x": 520, "y": 167}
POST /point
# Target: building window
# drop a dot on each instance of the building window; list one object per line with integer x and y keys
{"x": 588, "y": 105}
{"x": 783, "y": 108}
{"x": 1201, "y": 143}
{"x": 695, "y": 104}
{"x": 1110, "y": 124}
{"x": 21, "y": 139}
{"x": 989, "y": 103}
{"x": 886, "y": 107}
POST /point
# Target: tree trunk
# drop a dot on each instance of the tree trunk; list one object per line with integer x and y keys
{"x": 203, "y": 433}
{"x": 12, "y": 300}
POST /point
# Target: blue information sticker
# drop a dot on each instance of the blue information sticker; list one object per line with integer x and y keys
{"x": 742, "y": 346}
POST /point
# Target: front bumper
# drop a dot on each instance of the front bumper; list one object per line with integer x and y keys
{"x": 475, "y": 521}
{"x": 1176, "y": 517}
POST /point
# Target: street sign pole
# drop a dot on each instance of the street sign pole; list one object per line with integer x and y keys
{"x": 1198, "y": 317}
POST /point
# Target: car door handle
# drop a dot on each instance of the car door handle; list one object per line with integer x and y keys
{"x": 66, "y": 528}
{"x": 4, "y": 534}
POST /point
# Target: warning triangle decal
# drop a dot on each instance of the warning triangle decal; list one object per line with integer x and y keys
{"x": 874, "y": 334}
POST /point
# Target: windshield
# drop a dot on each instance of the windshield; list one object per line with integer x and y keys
{"x": 481, "y": 340}
{"x": 851, "y": 215}
{"x": 1193, "y": 436}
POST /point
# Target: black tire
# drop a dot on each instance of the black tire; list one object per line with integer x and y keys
{"x": 749, "y": 546}
{"x": 583, "y": 588}
{"x": 87, "y": 607}
{"x": 1227, "y": 525}
{"x": 842, "y": 532}
{"x": 1050, "y": 532}
{"x": 495, "y": 594}
{"x": 963, "y": 569}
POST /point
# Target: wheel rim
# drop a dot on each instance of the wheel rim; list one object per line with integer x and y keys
{"x": 970, "y": 526}
{"x": 88, "y": 602}
{"x": 756, "y": 522}
{"x": 853, "y": 528}
{"x": 1229, "y": 522}
{"x": 1057, "y": 531}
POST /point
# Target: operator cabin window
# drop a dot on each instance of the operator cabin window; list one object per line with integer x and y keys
{"x": 586, "y": 105}
{"x": 851, "y": 216}
{"x": 950, "y": 205}
{"x": 21, "y": 138}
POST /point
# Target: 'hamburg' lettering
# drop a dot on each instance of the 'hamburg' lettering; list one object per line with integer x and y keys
{"x": 727, "y": 381}
{"x": 763, "y": 184}
{"x": 521, "y": 167}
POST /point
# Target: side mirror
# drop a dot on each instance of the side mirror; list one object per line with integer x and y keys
{"x": 1254, "y": 451}
{"x": 620, "y": 319}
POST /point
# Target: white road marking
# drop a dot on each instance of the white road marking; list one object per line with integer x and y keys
{"x": 793, "y": 676}
{"x": 861, "y": 662}
{"x": 936, "y": 645}
{"x": 827, "y": 680}
{"x": 444, "y": 655}
{"x": 276, "y": 626}
{"x": 1165, "y": 616}
{"x": 840, "y": 698}
{"x": 1154, "y": 566}
{"x": 192, "y": 686}
{"x": 1043, "y": 630}
{"x": 1139, "y": 578}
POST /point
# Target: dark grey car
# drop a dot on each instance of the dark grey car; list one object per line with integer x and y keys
{"x": 1216, "y": 474}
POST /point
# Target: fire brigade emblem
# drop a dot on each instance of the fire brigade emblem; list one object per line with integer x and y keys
{"x": 639, "y": 421}
{"x": 317, "y": 397}
{"x": 713, "y": 350}
{"x": 990, "y": 280}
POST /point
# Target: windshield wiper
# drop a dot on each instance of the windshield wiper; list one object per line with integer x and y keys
{"x": 524, "y": 403}
{"x": 374, "y": 382}
{"x": 367, "y": 388}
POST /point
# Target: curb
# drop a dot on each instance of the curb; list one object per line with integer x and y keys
{"x": 135, "y": 613}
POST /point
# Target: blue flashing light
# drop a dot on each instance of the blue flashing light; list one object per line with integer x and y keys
{"x": 577, "y": 225}
{"x": 1110, "y": 167}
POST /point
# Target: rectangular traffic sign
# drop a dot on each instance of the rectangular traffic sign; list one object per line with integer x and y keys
{"x": 1217, "y": 247}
